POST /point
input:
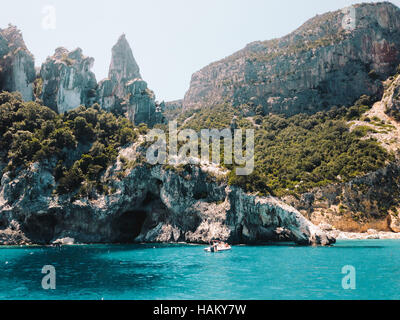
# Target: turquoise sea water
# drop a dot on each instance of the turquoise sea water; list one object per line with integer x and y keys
{"x": 137, "y": 272}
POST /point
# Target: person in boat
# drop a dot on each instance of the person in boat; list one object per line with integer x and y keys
{"x": 222, "y": 244}
{"x": 214, "y": 246}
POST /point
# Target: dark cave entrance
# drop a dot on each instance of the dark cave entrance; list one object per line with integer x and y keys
{"x": 41, "y": 228}
{"x": 129, "y": 225}
{"x": 145, "y": 216}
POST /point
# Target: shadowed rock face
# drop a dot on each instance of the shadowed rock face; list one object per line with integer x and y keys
{"x": 141, "y": 105}
{"x": 68, "y": 81}
{"x": 319, "y": 65}
{"x": 17, "y": 68}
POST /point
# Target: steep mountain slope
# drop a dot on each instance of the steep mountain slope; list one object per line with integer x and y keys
{"x": 123, "y": 67}
{"x": 375, "y": 195}
{"x": 340, "y": 168}
{"x": 320, "y": 65}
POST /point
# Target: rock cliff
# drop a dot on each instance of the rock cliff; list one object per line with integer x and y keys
{"x": 321, "y": 64}
{"x": 367, "y": 197}
{"x": 17, "y": 68}
{"x": 147, "y": 204}
{"x": 140, "y": 104}
{"x": 123, "y": 67}
{"x": 124, "y": 91}
{"x": 67, "y": 80}
{"x": 371, "y": 201}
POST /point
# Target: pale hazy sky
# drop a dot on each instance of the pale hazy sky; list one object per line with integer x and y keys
{"x": 171, "y": 39}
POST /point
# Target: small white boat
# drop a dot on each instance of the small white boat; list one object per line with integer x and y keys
{"x": 217, "y": 246}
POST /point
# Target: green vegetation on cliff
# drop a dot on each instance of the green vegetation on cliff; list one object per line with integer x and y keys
{"x": 292, "y": 155}
{"x": 295, "y": 154}
{"x": 82, "y": 142}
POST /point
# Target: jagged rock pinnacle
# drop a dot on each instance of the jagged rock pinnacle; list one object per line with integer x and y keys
{"x": 123, "y": 65}
{"x": 17, "y": 68}
{"x": 125, "y": 92}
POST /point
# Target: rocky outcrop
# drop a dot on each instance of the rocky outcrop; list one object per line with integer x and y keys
{"x": 370, "y": 235}
{"x": 373, "y": 197}
{"x": 141, "y": 105}
{"x": 123, "y": 67}
{"x": 322, "y": 64}
{"x": 68, "y": 81}
{"x": 391, "y": 99}
{"x": 147, "y": 204}
{"x": 13, "y": 235}
{"x": 17, "y": 67}
{"x": 173, "y": 109}
{"x": 124, "y": 91}
{"x": 392, "y": 95}
{"x": 174, "y": 105}
{"x": 394, "y": 221}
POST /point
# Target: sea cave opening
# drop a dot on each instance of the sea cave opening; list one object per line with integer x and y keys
{"x": 41, "y": 228}
{"x": 145, "y": 216}
{"x": 129, "y": 225}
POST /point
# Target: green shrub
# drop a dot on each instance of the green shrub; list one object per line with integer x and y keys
{"x": 296, "y": 154}
{"x": 31, "y": 132}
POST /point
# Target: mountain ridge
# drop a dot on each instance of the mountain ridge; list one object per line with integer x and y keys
{"x": 308, "y": 70}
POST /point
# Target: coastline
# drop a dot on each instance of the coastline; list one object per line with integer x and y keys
{"x": 341, "y": 236}
{"x": 370, "y": 235}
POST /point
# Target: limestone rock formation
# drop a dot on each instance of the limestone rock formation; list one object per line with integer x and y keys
{"x": 124, "y": 91}
{"x": 17, "y": 67}
{"x": 140, "y": 104}
{"x": 107, "y": 98}
{"x": 391, "y": 98}
{"x": 337, "y": 204}
{"x": 321, "y": 64}
{"x": 148, "y": 204}
{"x": 68, "y": 81}
{"x": 394, "y": 222}
{"x": 123, "y": 67}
